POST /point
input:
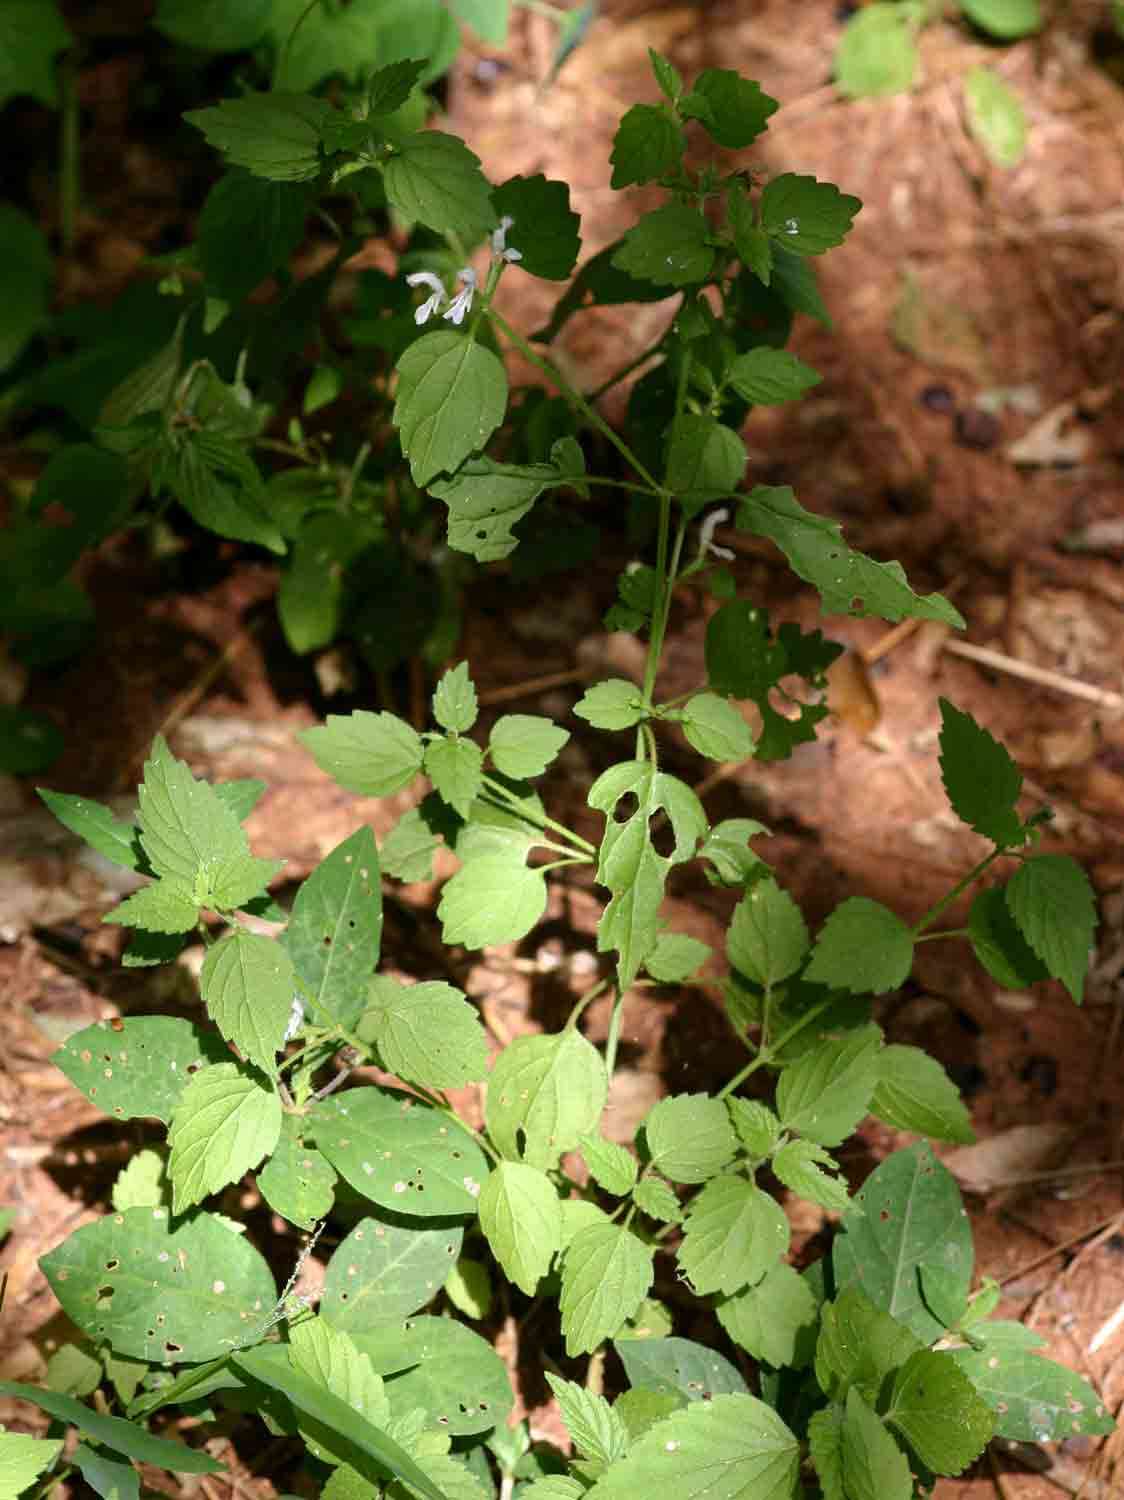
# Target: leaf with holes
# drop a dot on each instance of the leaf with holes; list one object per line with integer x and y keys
{"x": 388, "y": 1267}
{"x": 734, "y": 1235}
{"x": 425, "y": 1033}
{"x": 335, "y": 928}
{"x": 1034, "y": 1399}
{"x": 521, "y": 1217}
{"x": 224, "y": 1124}
{"x": 1052, "y": 903}
{"x": 606, "y": 1273}
{"x": 247, "y": 985}
{"x": 689, "y": 1137}
{"x": 375, "y": 755}
{"x": 399, "y": 1153}
{"x": 544, "y": 1094}
{"x": 165, "y": 1295}
{"x": 775, "y": 1320}
{"x": 297, "y": 1182}
{"x": 486, "y": 499}
{"x": 912, "y": 1215}
{"x": 138, "y": 1066}
{"x": 451, "y": 1373}
{"x": 452, "y": 395}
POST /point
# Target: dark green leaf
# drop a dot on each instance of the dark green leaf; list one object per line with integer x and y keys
{"x": 248, "y": 228}
{"x": 31, "y": 32}
{"x": 999, "y": 945}
{"x": 872, "y": 1465}
{"x": 388, "y": 88}
{"x": 435, "y": 180}
{"x": 25, "y": 257}
{"x": 1006, "y": 19}
{"x": 335, "y": 928}
{"x": 1052, "y": 902}
{"x": 276, "y": 136}
{"x": 733, "y": 110}
{"x": 648, "y": 145}
{"x": 794, "y": 281}
{"x": 452, "y": 395}
{"x": 914, "y": 1092}
{"x": 768, "y": 377}
{"x": 486, "y": 499}
{"x": 29, "y": 742}
{"x": 935, "y": 1407}
{"x": 114, "y": 1432}
{"x": 599, "y": 283}
{"x": 667, "y": 75}
{"x": 673, "y": 1366}
{"x": 806, "y": 215}
{"x": 213, "y": 25}
{"x": 669, "y": 246}
{"x": 980, "y": 778}
{"x": 705, "y": 460}
{"x": 106, "y": 1475}
{"x": 544, "y": 228}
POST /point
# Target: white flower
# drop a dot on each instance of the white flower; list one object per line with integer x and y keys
{"x": 499, "y": 242}
{"x": 431, "y": 303}
{"x": 462, "y": 302}
{"x": 706, "y": 532}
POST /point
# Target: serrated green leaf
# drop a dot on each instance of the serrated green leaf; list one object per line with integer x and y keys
{"x": 826, "y": 1092}
{"x": 657, "y": 1199}
{"x": 806, "y": 215}
{"x": 913, "y": 1092}
{"x": 595, "y": 1428}
{"x": 980, "y": 779}
{"x": 549, "y": 1090}
{"x": 667, "y": 75}
{"x": 388, "y": 88}
{"x": 876, "y": 54}
{"x": 610, "y": 1165}
{"x": 454, "y": 700}
{"x": 872, "y": 1465}
{"x": 676, "y": 957}
{"x": 452, "y": 395}
{"x": 219, "y": 486}
{"x": 456, "y": 768}
{"x": 1034, "y": 1399}
{"x": 523, "y": 745}
{"x": 544, "y": 228}
{"x": 346, "y": 1483}
{"x": 166, "y": 906}
{"x": 141, "y": 1183}
{"x": 848, "y": 582}
{"x": 734, "y": 1235}
{"x": 408, "y": 849}
{"x": 276, "y": 135}
{"x": 271, "y": 1366}
{"x": 185, "y": 827}
{"x": 648, "y": 145}
{"x": 335, "y": 927}
{"x": 767, "y": 939}
{"x": 212, "y": 1287}
{"x": 799, "y": 1165}
{"x": 386, "y": 1268}
{"x": 757, "y": 1126}
{"x": 775, "y": 1320}
{"x": 996, "y": 117}
{"x": 446, "y": 1370}
{"x": 754, "y": 248}
{"x": 669, "y": 246}
{"x": 859, "y": 1346}
{"x": 613, "y": 704}
{"x": 492, "y": 900}
{"x": 328, "y": 1356}
{"x": 863, "y": 947}
{"x": 297, "y": 1182}
{"x": 768, "y": 377}
{"x": 734, "y": 1446}
{"x": 1052, "y": 903}
{"x": 606, "y": 1273}
{"x": 435, "y": 180}
{"x": 733, "y": 110}
{"x": 999, "y": 945}
{"x": 247, "y": 985}
{"x": 425, "y": 1033}
{"x": 935, "y": 1407}
{"x": 327, "y": 42}
{"x": 726, "y": 846}
{"x": 825, "y": 1445}
{"x": 689, "y": 1137}
{"x": 399, "y": 1153}
{"x": 1006, "y": 19}
{"x": 224, "y": 1124}
{"x": 705, "y": 460}
{"x": 137, "y": 1067}
{"x": 375, "y": 755}
{"x": 912, "y": 1214}
{"x": 521, "y": 1217}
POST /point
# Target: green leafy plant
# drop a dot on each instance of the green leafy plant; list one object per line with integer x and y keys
{"x": 867, "y": 1373}
{"x": 878, "y": 55}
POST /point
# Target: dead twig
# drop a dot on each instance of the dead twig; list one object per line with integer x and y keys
{"x": 998, "y": 661}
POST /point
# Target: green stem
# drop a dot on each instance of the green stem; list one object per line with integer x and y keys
{"x": 768, "y": 1053}
{"x": 575, "y": 1015}
{"x": 951, "y": 932}
{"x": 543, "y": 820}
{"x": 575, "y": 397}
{"x": 958, "y": 890}
{"x": 612, "y": 1041}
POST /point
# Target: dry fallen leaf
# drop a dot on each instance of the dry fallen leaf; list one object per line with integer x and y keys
{"x": 1003, "y": 1160}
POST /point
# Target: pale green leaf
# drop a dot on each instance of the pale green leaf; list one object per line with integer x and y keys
{"x": 107, "y": 1475}
{"x": 676, "y": 957}
{"x": 23, "y": 1459}
{"x": 328, "y": 1356}
{"x": 995, "y": 116}
{"x": 445, "y": 1369}
{"x": 247, "y": 985}
{"x": 141, "y": 1183}
{"x": 167, "y": 906}
{"x": 863, "y": 947}
{"x": 224, "y": 1124}
{"x": 606, "y": 1273}
{"x": 689, "y": 1137}
{"x": 425, "y": 1033}
{"x": 456, "y": 768}
{"x": 521, "y": 1216}
{"x": 73, "y": 1370}
{"x": 734, "y": 1234}
{"x": 544, "y": 1094}
{"x": 213, "y": 25}
{"x": 657, "y": 1199}
{"x": 335, "y": 928}
{"x": 486, "y": 499}
{"x": 913, "y": 1092}
{"x": 673, "y": 1366}
{"x": 876, "y": 54}
{"x": 468, "y": 1287}
{"x": 1005, "y": 19}
{"x": 454, "y": 700}
{"x": 185, "y": 827}
{"x": 826, "y": 1092}
{"x": 716, "y": 729}
{"x": 769, "y": 377}
{"x": 825, "y": 1446}
{"x": 757, "y": 1126}
{"x": 297, "y": 1182}
{"x": 610, "y": 1165}
{"x": 452, "y": 395}
{"x": 523, "y": 745}
{"x": 492, "y": 900}
{"x": 767, "y": 939}
{"x": 799, "y": 1165}
{"x": 117, "y": 840}
{"x": 613, "y": 704}
{"x": 775, "y": 1320}
{"x": 596, "y": 1430}
{"x": 726, "y": 846}
{"x": 372, "y": 754}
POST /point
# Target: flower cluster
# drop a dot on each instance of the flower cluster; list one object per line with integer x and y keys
{"x": 460, "y": 305}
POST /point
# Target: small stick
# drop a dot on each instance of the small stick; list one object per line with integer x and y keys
{"x": 531, "y": 686}
{"x": 1102, "y": 697}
